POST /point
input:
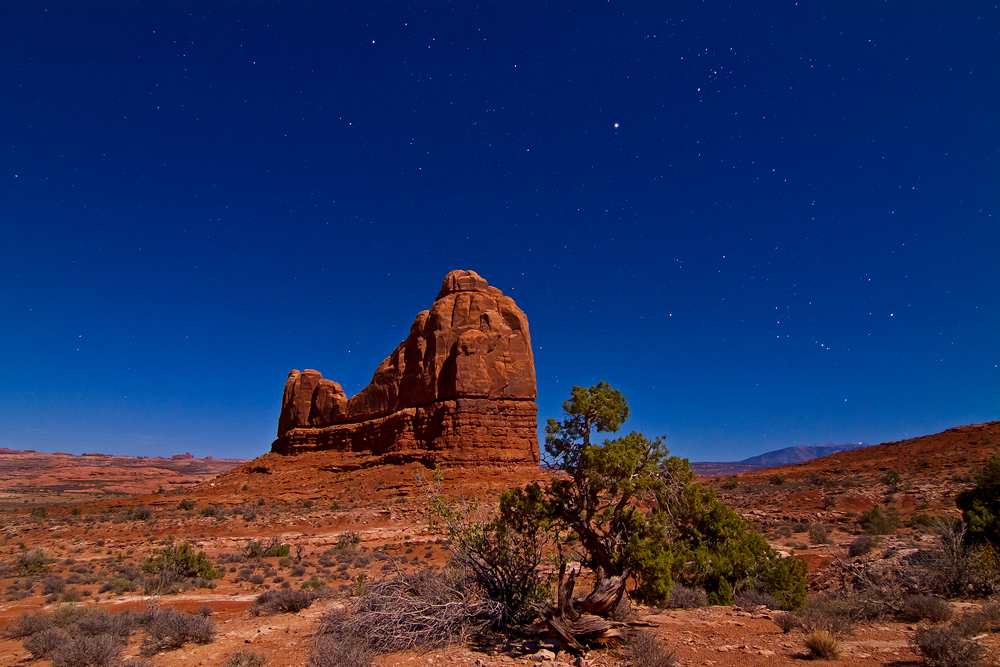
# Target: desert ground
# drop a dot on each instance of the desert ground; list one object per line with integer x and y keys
{"x": 345, "y": 528}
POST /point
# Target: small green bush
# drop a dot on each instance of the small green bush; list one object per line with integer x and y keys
{"x": 31, "y": 562}
{"x": 874, "y": 522}
{"x": 208, "y": 511}
{"x": 273, "y": 548}
{"x": 186, "y": 504}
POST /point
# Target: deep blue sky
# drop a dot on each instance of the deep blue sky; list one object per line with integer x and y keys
{"x": 767, "y": 227}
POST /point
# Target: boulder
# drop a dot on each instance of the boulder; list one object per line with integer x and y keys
{"x": 460, "y": 389}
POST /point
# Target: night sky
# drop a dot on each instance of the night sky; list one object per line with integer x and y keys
{"x": 768, "y": 224}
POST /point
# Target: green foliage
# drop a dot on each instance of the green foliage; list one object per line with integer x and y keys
{"x": 635, "y": 508}
{"x": 599, "y": 407}
{"x": 273, "y": 548}
{"x": 186, "y": 504}
{"x": 980, "y": 504}
{"x": 182, "y": 560}
{"x": 30, "y": 562}
{"x": 874, "y": 522}
{"x": 502, "y": 553}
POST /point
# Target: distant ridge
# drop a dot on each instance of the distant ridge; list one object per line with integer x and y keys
{"x": 800, "y": 453}
{"x": 779, "y": 457}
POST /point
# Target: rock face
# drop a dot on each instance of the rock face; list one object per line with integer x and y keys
{"x": 459, "y": 390}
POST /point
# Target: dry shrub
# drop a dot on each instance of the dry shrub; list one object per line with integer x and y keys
{"x": 862, "y": 545}
{"x": 925, "y": 608}
{"x": 88, "y": 651}
{"x": 423, "y": 609}
{"x": 644, "y": 651}
{"x": 682, "y": 597}
{"x": 27, "y": 625}
{"x": 245, "y": 658}
{"x": 45, "y": 643}
{"x": 823, "y": 644}
{"x": 749, "y": 599}
{"x": 945, "y": 646}
{"x": 787, "y": 621}
{"x": 342, "y": 650}
{"x": 283, "y": 601}
{"x": 171, "y": 629}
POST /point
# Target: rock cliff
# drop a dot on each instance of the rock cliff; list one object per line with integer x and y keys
{"x": 459, "y": 390}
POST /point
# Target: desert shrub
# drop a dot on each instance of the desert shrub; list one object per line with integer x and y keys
{"x": 209, "y": 511}
{"x": 175, "y": 564}
{"x": 749, "y": 599}
{"x": 730, "y": 483}
{"x": 281, "y": 601}
{"x": 891, "y": 479}
{"x": 230, "y": 557}
{"x": 423, "y": 609}
{"x": 862, "y": 545}
{"x": 945, "y": 646}
{"x": 66, "y": 615}
{"x": 137, "y": 513}
{"x": 980, "y": 504}
{"x": 501, "y": 553}
{"x": 977, "y": 621}
{"x": 43, "y": 644}
{"x": 835, "y": 612}
{"x": 645, "y": 651}
{"x": 30, "y": 562}
{"x": 819, "y": 535}
{"x": 297, "y": 571}
{"x": 684, "y": 597}
{"x": 256, "y": 579}
{"x": 787, "y": 621}
{"x": 245, "y": 658}
{"x": 248, "y": 512}
{"x": 186, "y": 504}
{"x": 925, "y": 608}
{"x": 4, "y": 569}
{"x": 71, "y": 595}
{"x": 26, "y": 625}
{"x": 118, "y": 586}
{"x": 923, "y": 519}
{"x": 272, "y": 548}
{"x": 342, "y": 649}
{"x": 53, "y": 585}
{"x": 39, "y": 513}
{"x": 87, "y": 651}
{"x": 776, "y": 479}
{"x": 313, "y": 583}
{"x": 823, "y": 644}
{"x": 171, "y": 629}
{"x": 874, "y": 522}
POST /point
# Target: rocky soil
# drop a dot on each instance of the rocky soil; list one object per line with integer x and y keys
{"x": 306, "y": 503}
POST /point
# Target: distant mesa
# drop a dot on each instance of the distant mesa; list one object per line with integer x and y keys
{"x": 459, "y": 390}
{"x": 181, "y": 457}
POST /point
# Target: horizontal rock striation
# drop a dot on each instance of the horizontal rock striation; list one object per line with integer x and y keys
{"x": 459, "y": 390}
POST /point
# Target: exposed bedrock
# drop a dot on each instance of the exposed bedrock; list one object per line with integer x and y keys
{"x": 460, "y": 389}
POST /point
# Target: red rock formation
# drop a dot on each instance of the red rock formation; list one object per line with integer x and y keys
{"x": 460, "y": 389}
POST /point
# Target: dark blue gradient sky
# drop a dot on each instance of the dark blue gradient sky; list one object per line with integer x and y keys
{"x": 767, "y": 227}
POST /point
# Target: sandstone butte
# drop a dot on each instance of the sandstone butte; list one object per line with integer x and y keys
{"x": 459, "y": 391}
